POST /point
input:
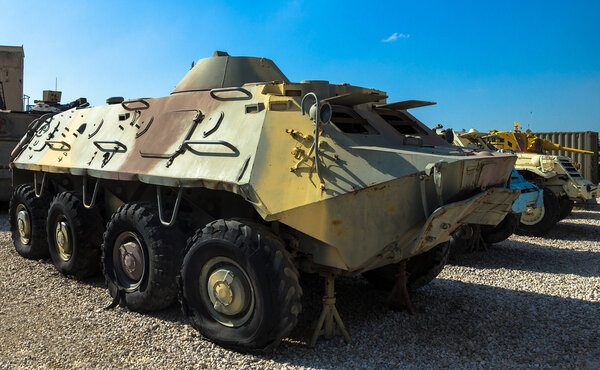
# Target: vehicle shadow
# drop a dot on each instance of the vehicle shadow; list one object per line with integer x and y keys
{"x": 566, "y": 230}
{"x": 456, "y": 324}
{"x": 4, "y": 225}
{"x": 172, "y": 313}
{"x": 517, "y": 255}
{"x": 582, "y": 215}
{"x": 452, "y": 327}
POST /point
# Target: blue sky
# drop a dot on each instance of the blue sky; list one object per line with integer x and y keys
{"x": 487, "y": 64}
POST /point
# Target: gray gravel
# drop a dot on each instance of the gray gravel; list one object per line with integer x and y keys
{"x": 525, "y": 302}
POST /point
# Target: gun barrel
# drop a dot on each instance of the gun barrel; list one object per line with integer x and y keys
{"x": 574, "y": 150}
{"x": 548, "y": 145}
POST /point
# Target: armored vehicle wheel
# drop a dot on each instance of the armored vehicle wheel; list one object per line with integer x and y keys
{"x": 27, "y": 217}
{"x": 74, "y": 235}
{"x": 421, "y": 269}
{"x": 501, "y": 232}
{"x": 566, "y": 206}
{"x": 239, "y": 287}
{"x": 538, "y": 221}
{"x": 141, "y": 258}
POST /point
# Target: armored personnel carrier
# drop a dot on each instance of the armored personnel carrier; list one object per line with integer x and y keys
{"x": 267, "y": 177}
{"x": 530, "y": 198}
{"x": 557, "y": 175}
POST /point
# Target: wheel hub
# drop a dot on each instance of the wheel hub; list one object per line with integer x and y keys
{"x": 226, "y": 291}
{"x": 23, "y": 224}
{"x": 129, "y": 260}
{"x": 223, "y": 293}
{"x": 533, "y": 215}
{"x": 132, "y": 260}
{"x": 63, "y": 240}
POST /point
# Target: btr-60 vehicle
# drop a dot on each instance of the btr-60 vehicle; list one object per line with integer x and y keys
{"x": 267, "y": 177}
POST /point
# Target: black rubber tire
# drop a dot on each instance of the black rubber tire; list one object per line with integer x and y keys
{"x": 566, "y": 206}
{"x": 162, "y": 247}
{"x": 271, "y": 274}
{"x": 552, "y": 211}
{"x": 501, "y": 232}
{"x": 37, "y": 247}
{"x": 420, "y": 269}
{"x": 85, "y": 226}
{"x": 460, "y": 245}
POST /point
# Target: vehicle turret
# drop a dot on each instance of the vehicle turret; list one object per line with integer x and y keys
{"x": 524, "y": 142}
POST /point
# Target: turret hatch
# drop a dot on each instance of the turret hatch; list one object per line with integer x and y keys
{"x": 223, "y": 70}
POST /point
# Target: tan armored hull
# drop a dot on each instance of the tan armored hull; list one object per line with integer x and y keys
{"x": 262, "y": 177}
{"x": 248, "y": 146}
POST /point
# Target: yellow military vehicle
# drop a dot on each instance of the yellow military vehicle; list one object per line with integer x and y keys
{"x": 267, "y": 177}
{"x": 557, "y": 175}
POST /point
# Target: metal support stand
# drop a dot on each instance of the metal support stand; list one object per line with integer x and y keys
{"x": 329, "y": 323}
{"x": 481, "y": 244}
{"x": 399, "y": 297}
{"x": 476, "y": 243}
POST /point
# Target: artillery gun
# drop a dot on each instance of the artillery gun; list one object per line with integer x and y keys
{"x": 557, "y": 175}
{"x": 525, "y": 142}
{"x": 267, "y": 177}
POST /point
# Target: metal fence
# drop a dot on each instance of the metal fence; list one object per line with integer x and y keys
{"x": 586, "y": 140}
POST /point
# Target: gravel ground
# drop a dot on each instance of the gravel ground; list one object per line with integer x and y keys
{"x": 525, "y": 302}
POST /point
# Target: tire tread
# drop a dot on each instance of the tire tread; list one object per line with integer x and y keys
{"x": 164, "y": 246}
{"x": 38, "y": 211}
{"x": 248, "y": 237}
{"x": 87, "y": 223}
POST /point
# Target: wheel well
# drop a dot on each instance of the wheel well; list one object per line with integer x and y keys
{"x": 199, "y": 206}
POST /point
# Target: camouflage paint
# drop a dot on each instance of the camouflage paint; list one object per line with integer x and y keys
{"x": 387, "y": 195}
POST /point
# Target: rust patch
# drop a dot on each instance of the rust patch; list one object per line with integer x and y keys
{"x": 198, "y": 100}
{"x": 338, "y": 231}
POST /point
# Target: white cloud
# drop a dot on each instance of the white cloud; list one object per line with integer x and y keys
{"x": 395, "y": 36}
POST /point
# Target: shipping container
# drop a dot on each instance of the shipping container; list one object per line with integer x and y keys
{"x": 584, "y": 140}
